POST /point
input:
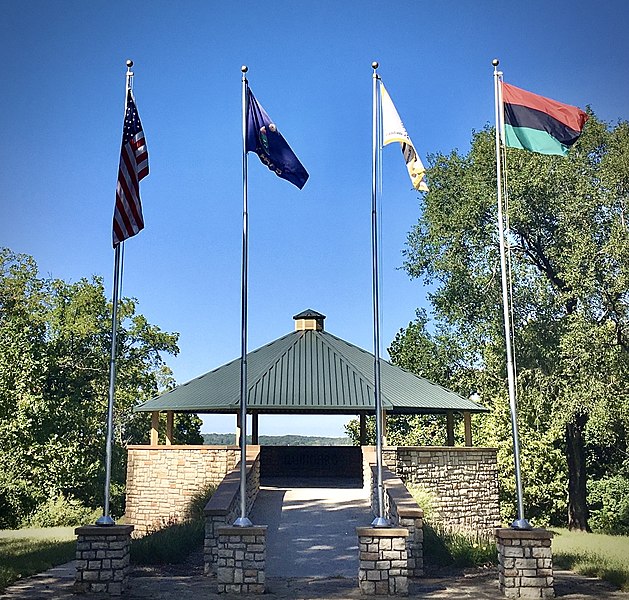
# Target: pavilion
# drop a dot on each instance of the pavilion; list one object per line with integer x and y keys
{"x": 310, "y": 371}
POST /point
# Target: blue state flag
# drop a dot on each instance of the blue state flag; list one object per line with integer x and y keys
{"x": 267, "y": 142}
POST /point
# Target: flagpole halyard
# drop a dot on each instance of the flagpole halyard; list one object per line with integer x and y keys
{"x": 242, "y": 520}
{"x": 520, "y": 522}
{"x": 380, "y": 520}
{"x": 106, "y": 519}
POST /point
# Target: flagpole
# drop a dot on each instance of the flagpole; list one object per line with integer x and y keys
{"x": 106, "y": 519}
{"x": 243, "y": 521}
{"x": 380, "y": 520}
{"x": 520, "y": 522}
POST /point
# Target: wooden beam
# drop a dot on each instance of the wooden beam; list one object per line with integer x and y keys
{"x": 238, "y": 429}
{"x": 170, "y": 421}
{"x": 362, "y": 436}
{"x": 255, "y": 428}
{"x": 467, "y": 420}
{"x": 154, "y": 428}
{"x": 449, "y": 428}
{"x": 384, "y": 428}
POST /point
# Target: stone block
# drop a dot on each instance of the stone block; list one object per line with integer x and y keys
{"x": 543, "y": 552}
{"x": 115, "y": 589}
{"x": 525, "y": 563}
{"x": 225, "y": 575}
{"x": 382, "y": 587}
{"x": 531, "y": 593}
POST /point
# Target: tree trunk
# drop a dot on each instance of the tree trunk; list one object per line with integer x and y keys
{"x": 577, "y": 478}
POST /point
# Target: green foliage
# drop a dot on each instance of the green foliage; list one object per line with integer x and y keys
{"x": 29, "y": 551}
{"x": 54, "y": 380}
{"x": 173, "y": 543}
{"x": 594, "y": 555}
{"x": 570, "y": 285}
{"x": 61, "y": 512}
{"x": 229, "y": 439}
{"x": 424, "y": 498}
{"x": 198, "y": 502}
{"x": 450, "y": 548}
{"x": 445, "y": 547}
{"x": 609, "y": 505}
{"x": 170, "y": 545}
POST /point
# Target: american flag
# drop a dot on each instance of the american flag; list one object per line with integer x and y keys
{"x": 134, "y": 166}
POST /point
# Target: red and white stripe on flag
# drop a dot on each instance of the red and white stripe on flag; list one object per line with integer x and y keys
{"x": 134, "y": 166}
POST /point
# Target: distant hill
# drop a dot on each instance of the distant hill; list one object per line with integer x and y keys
{"x": 229, "y": 439}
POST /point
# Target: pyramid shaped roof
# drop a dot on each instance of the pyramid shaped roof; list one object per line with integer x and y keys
{"x": 310, "y": 371}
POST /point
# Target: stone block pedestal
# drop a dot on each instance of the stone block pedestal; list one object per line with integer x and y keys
{"x": 525, "y": 563}
{"x": 241, "y": 560}
{"x": 102, "y": 555}
{"x": 383, "y": 568}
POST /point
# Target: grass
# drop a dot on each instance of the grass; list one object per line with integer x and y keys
{"x": 444, "y": 548}
{"x": 594, "y": 555}
{"x": 25, "y": 552}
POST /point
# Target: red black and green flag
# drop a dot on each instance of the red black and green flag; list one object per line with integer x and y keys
{"x": 539, "y": 124}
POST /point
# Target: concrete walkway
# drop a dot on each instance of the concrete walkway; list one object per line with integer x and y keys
{"x": 312, "y": 530}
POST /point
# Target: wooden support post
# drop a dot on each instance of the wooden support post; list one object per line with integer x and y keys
{"x": 467, "y": 421}
{"x": 449, "y": 428}
{"x": 255, "y": 429}
{"x": 170, "y": 421}
{"x": 154, "y": 428}
{"x": 238, "y": 429}
{"x": 384, "y": 428}
{"x": 362, "y": 436}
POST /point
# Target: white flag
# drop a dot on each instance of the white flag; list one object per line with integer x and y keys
{"x": 393, "y": 130}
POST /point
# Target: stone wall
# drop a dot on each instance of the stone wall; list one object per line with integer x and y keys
{"x": 223, "y": 507}
{"x": 382, "y": 561}
{"x": 241, "y": 560}
{"x": 463, "y": 482}
{"x": 403, "y": 512}
{"x": 525, "y": 563}
{"x": 161, "y": 480}
{"x": 103, "y": 559}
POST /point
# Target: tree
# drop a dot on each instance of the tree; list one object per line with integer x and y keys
{"x": 55, "y": 341}
{"x": 570, "y": 268}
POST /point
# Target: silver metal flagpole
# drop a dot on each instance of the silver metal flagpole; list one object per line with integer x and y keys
{"x": 520, "y": 522}
{"x": 243, "y": 521}
{"x": 106, "y": 519}
{"x": 380, "y": 520}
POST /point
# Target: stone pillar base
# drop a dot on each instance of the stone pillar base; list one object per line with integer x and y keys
{"x": 102, "y": 555}
{"x": 383, "y": 568}
{"x": 241, "y": 560}
{"x": 525, "y": 563}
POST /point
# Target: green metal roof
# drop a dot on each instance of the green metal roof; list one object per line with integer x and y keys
{"x": 310, "y": 372}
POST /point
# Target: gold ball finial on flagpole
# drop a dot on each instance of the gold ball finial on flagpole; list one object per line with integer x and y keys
{"x": 129, "y": 63}
{"x": 495, "y": 62}
{"x": 374, "y": 65}
{"x": 244, "y": 68}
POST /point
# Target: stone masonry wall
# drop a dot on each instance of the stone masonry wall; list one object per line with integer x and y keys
{"x": 224, "y": 506}
{"x": 403, "y": 512}
{"x": 161, "y": 480}
{"x": 241, "y": 560}
{"x": 103, "y": 559}
{"x": 462, "y": 480}
{"x": 382, "y": 561}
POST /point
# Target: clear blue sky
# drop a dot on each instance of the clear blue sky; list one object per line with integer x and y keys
{"x": 309, "y": 63}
